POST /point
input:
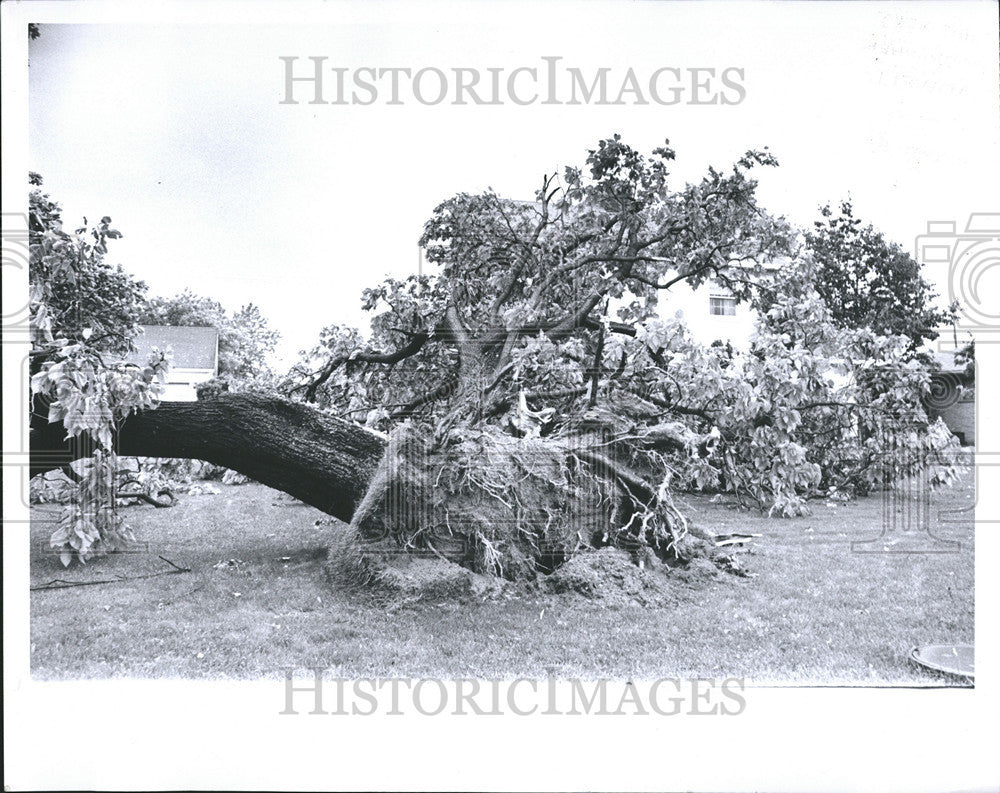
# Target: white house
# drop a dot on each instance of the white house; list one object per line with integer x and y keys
{"x": 195, "y": 357}
{"x": 710, "y": 313}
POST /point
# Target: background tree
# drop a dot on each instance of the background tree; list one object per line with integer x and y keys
{"x": 869, "y": 282}
{"x": 75, "y": 294}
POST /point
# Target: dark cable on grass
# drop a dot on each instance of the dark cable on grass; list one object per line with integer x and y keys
{"x": 60, "y": 583}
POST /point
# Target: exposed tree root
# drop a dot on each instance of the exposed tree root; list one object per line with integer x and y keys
{"x": 513, "y": 507}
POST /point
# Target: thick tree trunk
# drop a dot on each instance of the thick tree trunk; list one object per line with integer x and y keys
{"x": 321, "y": 460}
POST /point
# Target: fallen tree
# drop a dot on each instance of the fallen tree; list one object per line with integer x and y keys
{"x": 531, "y": 401}
{"x": 485, "y": 500}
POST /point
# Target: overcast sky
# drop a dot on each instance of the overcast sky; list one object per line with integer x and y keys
{"x": 177, "y": 131}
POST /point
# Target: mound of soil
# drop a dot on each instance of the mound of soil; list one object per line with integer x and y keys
{"x": 399, "y": 577}
{"x": 610, "y": 575}
{"x": 422, "y": 578}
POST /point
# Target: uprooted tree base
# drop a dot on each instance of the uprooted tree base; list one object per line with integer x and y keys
{"x": 507, "y": 508}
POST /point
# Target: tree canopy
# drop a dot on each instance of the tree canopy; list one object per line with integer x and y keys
{"x": 523, "y": 293}
{"x": 869, "y": 282}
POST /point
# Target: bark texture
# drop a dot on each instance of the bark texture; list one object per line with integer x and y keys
{"x": 326, "y": 462}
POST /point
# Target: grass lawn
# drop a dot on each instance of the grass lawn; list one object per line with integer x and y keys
{"x": 256, "y": 601}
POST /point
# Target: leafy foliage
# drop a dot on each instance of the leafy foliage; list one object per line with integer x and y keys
{"x": 75, "y": 294}
{"x": 542, "y": 317}
{"x": 91, "y": 398}
{"x": 88, "y": 395}
{"x": 868, "y": 282}
{"x": 808, "y": 410}
{"x": 83, "y": 318}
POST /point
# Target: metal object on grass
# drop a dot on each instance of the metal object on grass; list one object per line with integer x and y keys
{"x": 953, "y": 659}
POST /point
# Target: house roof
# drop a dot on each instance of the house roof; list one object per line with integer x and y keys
{"x": 193, "y": 347}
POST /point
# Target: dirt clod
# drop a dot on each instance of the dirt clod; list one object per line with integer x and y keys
{"x": 610, "y": 575}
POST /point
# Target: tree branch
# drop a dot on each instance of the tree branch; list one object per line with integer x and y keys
{"x": 411, "y": 348}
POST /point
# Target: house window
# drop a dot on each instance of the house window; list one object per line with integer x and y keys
{"x": 722, "y": 306}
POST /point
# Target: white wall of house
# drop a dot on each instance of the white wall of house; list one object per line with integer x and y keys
{"x": 182, "y": 384}
{"x": 710, "y": 312}
{"x": 194, "y": 357}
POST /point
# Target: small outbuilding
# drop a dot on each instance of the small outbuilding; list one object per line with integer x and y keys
{"x": 195, "y": 357}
